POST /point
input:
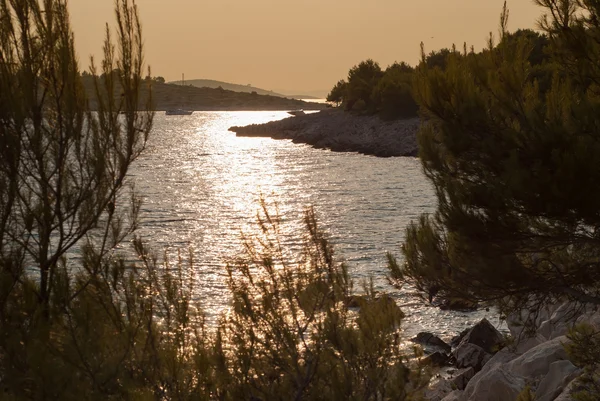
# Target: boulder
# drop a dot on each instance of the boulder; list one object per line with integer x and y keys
{"x": 518, "y": 322}
{"x": 566, "y": 393}
{"x": 470, "y": 356}
{"x": 497, "y": 384}
{"x": 456, "y": 395}
{"x": 504, "y": 356}
{"x": 560, "y": 374}
{"x": 561, "y": 320}
{"x": 539, "y": 361}
{"x": 462, "y": 377}
{"x": 458, "y": 338}
{"x": 536, "y": 362}
{"x": 525, "y": 344}
{"x": 591, "y": 318}
{"x": 485, "y": 335}
{"x": 436, "y": 359}
{"x": 500, "y": 359}
{"x": 438, "y": 390}
{"x": 429, "y": 340}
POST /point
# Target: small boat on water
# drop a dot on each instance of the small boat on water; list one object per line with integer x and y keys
{"x": 296, "y": 112}
{"x": 178, "y": 112}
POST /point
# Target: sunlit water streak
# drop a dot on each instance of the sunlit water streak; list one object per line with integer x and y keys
{"x": 201, "y": 187}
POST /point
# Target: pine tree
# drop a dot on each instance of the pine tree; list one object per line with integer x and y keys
{"x": 65, "y": 316}
{"x": 80, "y": 320}
{"x": 515, "y": 170}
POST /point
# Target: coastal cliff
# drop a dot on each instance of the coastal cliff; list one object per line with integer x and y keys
{"x": 339, "y": 131}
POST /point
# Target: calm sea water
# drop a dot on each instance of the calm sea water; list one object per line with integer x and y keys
{"x": 202, "y": 187}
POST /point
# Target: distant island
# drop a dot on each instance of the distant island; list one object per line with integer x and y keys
{"x": 170, "y": 96}
{"x": 214, "y": 84}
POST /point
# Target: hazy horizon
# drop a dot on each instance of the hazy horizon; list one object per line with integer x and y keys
{"x": 303, "y": 47}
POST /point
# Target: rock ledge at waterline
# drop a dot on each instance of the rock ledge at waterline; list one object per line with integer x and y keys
{"x": 340, "y": 131}
{"x": 537, "y": 359}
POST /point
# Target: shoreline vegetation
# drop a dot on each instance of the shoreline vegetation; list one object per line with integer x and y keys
{"x": 211, "y": 83}
{"x": 339, "y": 131}
{"x": 172, "y": 96}
{"x": 509, "y": 139}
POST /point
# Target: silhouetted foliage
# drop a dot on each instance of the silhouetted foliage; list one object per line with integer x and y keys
{"x": 514, "y": 171}
{"x": 371, "y": 90}
{"x": 292, "y": 336}
{"x": 338, "y": 92}
{"x": 584, "y": 351}
{"x": 535, "y": 41}
{"x": 393, "y": 94}
{"x": 437, "y": 58}
{"x": 63, "y": 172}
{"x": 362, "y": 79}
{"x": 81, "y": 321}
{"x": 511, "y": 143}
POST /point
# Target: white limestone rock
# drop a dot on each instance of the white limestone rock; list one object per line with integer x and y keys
{"x": 502, "y": 357}
{"x": 525, "y": 344}
{"x": 438, "y": 391}
{"x": 566, "y": 393}
{"x": 517, "y": 322}
{"x": 591, "y": 318}
{"x": 536, "y": 362}
{"x": 560, "y": 374}
{"x": 560, "y": 321}
{"x": 539, "y": 361}
{"x": 497, "y": 384}
{"x": 456, "y": 395}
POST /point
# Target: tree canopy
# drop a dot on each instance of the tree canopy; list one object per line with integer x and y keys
{"x": 338, "y": 92}
{"x": 82, "y": 316}
{"x": 362, "y": 78}
{"x": 371, "y": 90}
{"x": 513, "y": 166}
{"x": 392, "y": 96}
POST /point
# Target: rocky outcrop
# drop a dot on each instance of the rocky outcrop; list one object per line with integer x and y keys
{"x": 428, "y": 340}
{"x": 484, "y": 335}
{"x": 559, "y": 374}
{"x": 340, "y": 131}
{"x": 462, "y": 377}
{"x": 472, "y": 349}
{"x": 494, "y": 385}
{"x": 537, "y": 360}
{"x": 470, "y": 356}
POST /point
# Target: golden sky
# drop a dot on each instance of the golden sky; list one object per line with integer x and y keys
{"x": 299, "y": 45}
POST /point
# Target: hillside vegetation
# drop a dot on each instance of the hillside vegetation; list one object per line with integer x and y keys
{"x": 369, "y": 89}
{"x": 214, "y": 84}
{"x": 88, "y": 311}
{"x": 169, "y": 96}
{"x": 509, "y": 140}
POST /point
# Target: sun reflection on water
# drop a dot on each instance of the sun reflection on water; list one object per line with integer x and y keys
{"x": 202, "y": 187}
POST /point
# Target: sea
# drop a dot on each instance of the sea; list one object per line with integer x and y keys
{"x": 202, "y": 188}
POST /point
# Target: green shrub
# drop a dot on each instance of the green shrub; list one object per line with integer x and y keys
{"x": 77, "y": 321}
{"x": 514, "y": 171}
{"x": 291, "y": 334}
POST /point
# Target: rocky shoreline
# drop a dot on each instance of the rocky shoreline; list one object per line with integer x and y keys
{"x": 481, "y": 364}
{"x": 340, "y": 131}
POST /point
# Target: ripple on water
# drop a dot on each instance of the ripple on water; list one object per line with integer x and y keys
{"x": 202, "y": 185}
